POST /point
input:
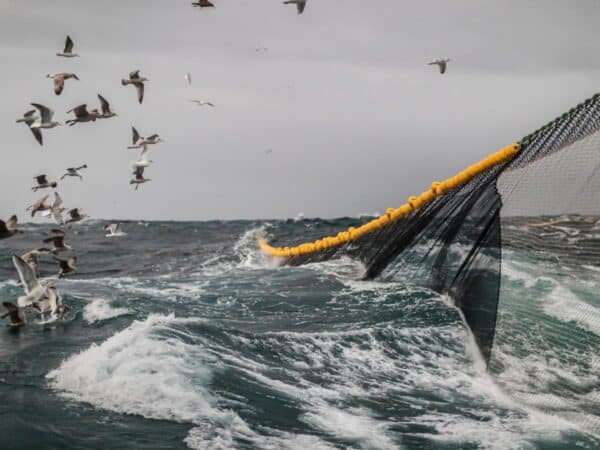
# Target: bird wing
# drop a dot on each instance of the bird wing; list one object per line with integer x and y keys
{"x": 139, "y": 173}
{"x": 3, "y": 227}
{"x": 68, "y": 45}
{"x": 112, "y": 228}
{"x": 104, "y": 105}
{"x": 57, "y": 215}
{"x": 188, "y": 77}
{"x": 133, "y": 75}
{"x": 40, "y": 202}
{"x": 442, "y": 67}
{"x": 12, "y": 310}
{"x": 74, "y": 213}
{"x": 135, "y": 135}
{"x": 41, "y": 179}
{"x": 30, "y": 114}
{"x": 57, "y": 201}
{"x": 26, "y": 274}
{"x": 210, "y": 104}
{"x": 140, "y": 91}
{"x": 11, "y": 223}
{"x": 45, "y": 112}
{"x": 81, "y": 167}
{"x": 152, "y": 137}
{"x": 301, "y": 6}
{"x": 37, "y": 133}
{"x": 59, "y": 84}
{"x": 79, "y": 111}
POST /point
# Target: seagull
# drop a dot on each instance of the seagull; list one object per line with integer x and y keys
{"x": 142, "y": 142}
{"x": 66, "y": 266}
{"x": 268, "y": 151}
{"x": 138, "y": 172}
{"x": 42, "y": 183}
{"x": 39, "y": 206}
{"x": 74, "y": 172}
{"x": 56, "y": 210}
{"x": 29, "y": 118}
{"x": 114, "y": 230}
{"x": 42, "y": 121}
{"x": 203, "y": 103}
{"x": 143, "y": 161}
{"x": 261, "y": 48}
{"x": 59, "y": 80}
{"x": 58, "y": 242}
{"x": 52, "y": 304}
{"x": 31, "y": 258}
{"x": 188, "y": 77}
{"x": 82, "y": 115}
{"x": 76, "y": 215}
{"x": 441, "y": 62}
{"x": 106, "y": 111}
{"x": 34, "y": 289}
{"x": 9, "y": 228}
{"x": 138, "y": 82}
{"x": 300, "y": 4}
{"x": 68, "y": 51}
{"x": 203, "y": 4}
{"x": 16, "y": 314}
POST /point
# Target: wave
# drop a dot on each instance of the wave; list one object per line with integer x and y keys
{"x": 100, "y": 309}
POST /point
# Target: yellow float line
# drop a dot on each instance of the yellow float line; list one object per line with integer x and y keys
{"x": 391, "y": 215}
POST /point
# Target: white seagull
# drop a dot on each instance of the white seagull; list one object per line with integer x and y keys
{"x": 34, "y": 289}
{"x": 114, "y": 230}
{"x": 74, "y": 172}
{"x": 143, "y": 161}
{"x": 441, "y": 62}
{"x": 188, "y": 77}
{"x": 202, "y": 103}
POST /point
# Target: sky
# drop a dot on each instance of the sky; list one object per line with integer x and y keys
{"x": 355, "y": 120}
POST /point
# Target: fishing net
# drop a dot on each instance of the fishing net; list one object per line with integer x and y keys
{"x": 514, "y": 242}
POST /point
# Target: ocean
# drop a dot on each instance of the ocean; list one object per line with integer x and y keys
{"x": 183, "y": 335}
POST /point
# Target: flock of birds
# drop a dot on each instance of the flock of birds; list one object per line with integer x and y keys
{"x": 42, "y": 295}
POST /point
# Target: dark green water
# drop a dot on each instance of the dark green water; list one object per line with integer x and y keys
{"x": 183, "y": 335}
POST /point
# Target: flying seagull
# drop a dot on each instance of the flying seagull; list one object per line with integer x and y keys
{"x": 139, "y": 179}
{"x": 143, "y": 161}
{"x": 52, "y": 304}
{"x": 76, "y": 215}
{"x": 300, "y": 4}
{"x": 29, "y": 119}
{"x": 9, "y": 228}
{"x": 16, "y": 314}
{"x": 107, "y": 113}
{"x": 137, "y": 81}
{"x": 203, "y": 103}
{"x": 56, "y": 210}
{"x": 66, "y": 266}
{"x": 188, "y": 77}
{"x": 203, "y": 4}
{"x": 441, "y": 62}
{"x": 34, "y": 289}
{"x": 31, "y": 258}
{"x": 141, "y": 142}
{"x": 59, "y": 80}
{"x": 58, "y": 242}
{"x": 41, "y": 120}
{"x": 82, "y": 115}
{"x": 39, "y": 206}
{"x": 74, "y": 172}
{"x": 114, "y": 230}
{"x": 68, "y": 51}
{"x": 42, "y": 183}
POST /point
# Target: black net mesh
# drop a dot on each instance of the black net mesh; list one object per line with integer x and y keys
{"x": 480, "y": 244}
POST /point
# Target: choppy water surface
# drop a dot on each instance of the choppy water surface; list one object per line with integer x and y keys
{"x": 183, "y": 335}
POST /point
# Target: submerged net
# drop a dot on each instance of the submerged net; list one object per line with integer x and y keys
{"x": 533, "y": 205}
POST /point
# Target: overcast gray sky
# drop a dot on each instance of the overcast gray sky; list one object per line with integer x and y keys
{"x": 355, "y": 119}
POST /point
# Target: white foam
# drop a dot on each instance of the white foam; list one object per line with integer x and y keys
{"x": 135, "y": 372}
{"x": 100, "y": 309}
{"x": 563, "y": 304}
